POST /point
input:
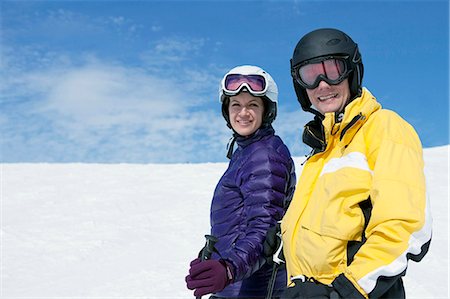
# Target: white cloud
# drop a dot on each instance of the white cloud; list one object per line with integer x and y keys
{"x": 182, "y": 46}
{"x": 63, "y": 16}
{"x": 156, "y": 28}
{"x": 173, "y": 50}
{"x": 113, "y": 95}
{"x": 108, "y": 112}
{"x": 118, "y": 20}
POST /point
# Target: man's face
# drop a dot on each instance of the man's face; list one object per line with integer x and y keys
{"x": 329, "y": 98}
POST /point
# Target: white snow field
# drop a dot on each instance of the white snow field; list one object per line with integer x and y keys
{"x": 130, "y": 231}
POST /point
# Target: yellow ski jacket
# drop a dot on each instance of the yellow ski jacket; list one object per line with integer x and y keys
{"x": 371, "y": 154}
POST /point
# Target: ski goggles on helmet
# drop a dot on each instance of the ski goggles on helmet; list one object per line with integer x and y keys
{"x": 332, "y": 70}
{"x": 234, "y": 83}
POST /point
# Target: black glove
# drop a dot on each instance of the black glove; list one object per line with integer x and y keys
{"x": 345, "y": 288}
{"x": 272, "y": 244}
{"x": 309, "y": 289}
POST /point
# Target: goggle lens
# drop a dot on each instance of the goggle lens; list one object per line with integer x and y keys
{"x": 332, "y": 69}
{"x": 256, "y": 83}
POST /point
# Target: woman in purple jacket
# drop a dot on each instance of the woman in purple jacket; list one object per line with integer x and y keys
{"x": 252, "y": 194}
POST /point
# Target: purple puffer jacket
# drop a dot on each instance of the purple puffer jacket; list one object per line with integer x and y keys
{"x": 251, "y": 196}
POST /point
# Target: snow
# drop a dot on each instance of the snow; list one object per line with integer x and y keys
{"x": 129, "y": 231}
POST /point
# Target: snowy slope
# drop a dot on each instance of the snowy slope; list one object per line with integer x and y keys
{"x": 122, "y": 231}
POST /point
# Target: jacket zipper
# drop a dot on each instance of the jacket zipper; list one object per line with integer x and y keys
{"x": 351, "y": 124}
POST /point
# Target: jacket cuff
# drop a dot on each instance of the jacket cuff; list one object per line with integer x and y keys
{"x": 345, "y": 288}
{"x": 229, "y": 271}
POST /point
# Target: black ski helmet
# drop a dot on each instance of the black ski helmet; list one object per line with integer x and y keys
{"x": 327, "y": 42}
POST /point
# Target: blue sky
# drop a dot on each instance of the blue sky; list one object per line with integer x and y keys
{"x": 137, "y": 81}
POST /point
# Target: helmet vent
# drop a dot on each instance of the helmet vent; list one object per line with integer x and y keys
{"x": 333, "y": 42}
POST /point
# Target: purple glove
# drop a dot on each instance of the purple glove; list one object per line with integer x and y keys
{"x": 208, "y": 276}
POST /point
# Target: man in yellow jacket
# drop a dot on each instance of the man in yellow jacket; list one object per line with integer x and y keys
{"x": 359, "y": 212}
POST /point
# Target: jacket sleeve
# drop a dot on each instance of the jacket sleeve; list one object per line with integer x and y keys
{"x": 400, "y": 224}
{"x": 265, "y": 181}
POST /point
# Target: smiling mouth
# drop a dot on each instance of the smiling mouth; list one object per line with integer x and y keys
{"x": 244, "y": 122}
{"x": 325, "y": 98}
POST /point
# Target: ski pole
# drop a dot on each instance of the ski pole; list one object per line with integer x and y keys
{"x": 272, "y": 280}
{"x": 277, "y": 260}
{"x": 207, "y": 250}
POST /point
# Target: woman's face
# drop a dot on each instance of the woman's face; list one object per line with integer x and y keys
{"x": 329, "y": 98}
{"x": 246, "y": 113}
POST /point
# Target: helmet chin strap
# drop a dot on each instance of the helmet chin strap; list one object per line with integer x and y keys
{"x": 315, "y": 112}
{"x": 230, "y": 146}
{"x": 340, "y": 115}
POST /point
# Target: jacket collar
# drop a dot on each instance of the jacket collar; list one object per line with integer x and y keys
{"x": 245, "y": 141}
{"x": 366, "y": 104}
{"x": 318, "y": 132}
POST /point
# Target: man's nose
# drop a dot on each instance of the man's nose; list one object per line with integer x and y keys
{"x": 323, "y": 84}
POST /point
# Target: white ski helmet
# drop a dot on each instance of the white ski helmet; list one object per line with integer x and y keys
{"x": 269, "y": 94}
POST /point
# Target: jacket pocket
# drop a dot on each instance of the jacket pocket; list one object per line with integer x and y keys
{"x": 333, "y": 209}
